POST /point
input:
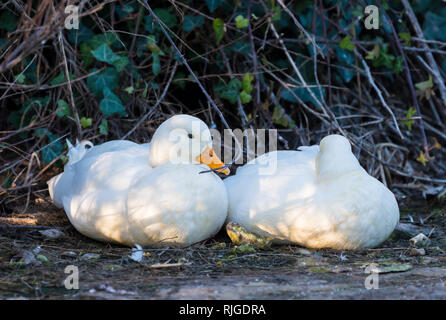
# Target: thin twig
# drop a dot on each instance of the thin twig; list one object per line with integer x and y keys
{"x": 158, "y": 101}
{"x": 183, "y": 59}
{"x": 301, "y": 28}
{"x": 70, "y": 90}
{"x": 379, "y": 93}
{"x": 435, "y": 70}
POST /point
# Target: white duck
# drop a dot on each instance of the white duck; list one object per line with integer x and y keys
{"x": 318, "y": 197}
{"x": 149, "y": 194}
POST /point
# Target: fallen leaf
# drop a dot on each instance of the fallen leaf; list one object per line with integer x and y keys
{"x": 392, "y": 268}
{"x": 422, "y": 158}
{"x": 42, "y": 258}
{"x": 240, "y": 236}
{"x": 24, "y": 257}
{"x": 112, "y": 267}
{"x": 420, "y": 240}
{"x": 90, "y": 256}
{"x": 322, "y": 269}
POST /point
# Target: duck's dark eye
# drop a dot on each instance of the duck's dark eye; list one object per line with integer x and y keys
{"x": 190, "y": 135}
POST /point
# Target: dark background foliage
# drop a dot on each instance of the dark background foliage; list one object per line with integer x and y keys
{"x": 306, "y": 68}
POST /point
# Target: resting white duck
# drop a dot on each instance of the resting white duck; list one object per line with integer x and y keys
{"x": 147, "y": 194}
{"x": 318, "y": 197}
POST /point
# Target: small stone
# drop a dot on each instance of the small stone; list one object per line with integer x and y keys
{"x": 52, "y": 233}
{"x": 304, "y": 252}
{"x": 69, "y": 254}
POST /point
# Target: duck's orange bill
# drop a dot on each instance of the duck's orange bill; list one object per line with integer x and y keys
{"x": 209, "y": 158}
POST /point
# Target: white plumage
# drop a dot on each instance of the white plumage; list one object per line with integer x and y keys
{"x": 319, "y": 198}
{"x": 114, "y": 192}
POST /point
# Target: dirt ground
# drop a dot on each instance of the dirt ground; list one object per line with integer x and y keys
{"x": 37, "y": 246}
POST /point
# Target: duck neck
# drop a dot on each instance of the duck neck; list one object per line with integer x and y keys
{"x": 331, "y": 165}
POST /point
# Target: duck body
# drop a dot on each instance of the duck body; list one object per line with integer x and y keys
{"x": 316, "y": 198}
{"x": 113, "y": 194}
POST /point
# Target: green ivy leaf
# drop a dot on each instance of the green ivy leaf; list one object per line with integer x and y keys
{"x": 410, "y": 113}
{"x": 405, "y": 37}
{"x": 80, "y": 35}
{"x": 153, "y": 47}
{"x": 8, "y": 21}
{"x": 434, "y": 26}
{"x": 109, "y": 38}
{"x": 103, "y": 127}
{"x": 104, "y": 54}
{"x": 61, "y": 78}
{"x": 124, "y": 11}
{"x": 111, "y": 105}
{"x": 106, "y": 79}
{"x": 346, "y": 43}
{"x": 23, "y": 117}
{"x": 86, "y": 122}
{"x": 3, "y": 43}
{"x": 380, "y": 57}
{"x": 20, "y": 78}
{"x": 167, "y": 18}
{"x": 346, "y": 59}
{"x": 53, "y": 149}
{"x": 422, "y": 86}
{"x": 277, "y": 14}
{"x": 245, "y": 97}
{"x": 219, "y": 28}
{"x": 358, "y": 11}
{"x": 7, "y": 182}
{"x": 177, "y": 80}
{"x": 246, "y": 83}
{"x": 279, "y": 118}
{"x": 144, "y": 92}
{"x": 31, "y": 73}
{"x": 241, "y": 22}
{"x": 397, "y": 66}
{"x": 214, "y": 4}
{"x": 374, "y": 54}
{"x": 425, "y": 88}
{"x": 303, "y": 94}
{"x": 63, "y": 109}
{"x": 231, "y": 91}
{"x": 121, "y": 62}
{"x": 191, "y": 22}
{"x": 129, "y": 90}
{"x": 156, "y": 66}
{"x": 242, "y": 47}
{"x": 230, "y": 95}
{"x": 87, "y": 57}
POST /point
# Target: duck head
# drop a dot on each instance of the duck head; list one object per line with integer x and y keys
{"x": 184, "y": 139}
{"x": 335, "y": 157}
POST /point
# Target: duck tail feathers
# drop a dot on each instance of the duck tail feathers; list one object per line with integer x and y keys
{"x": 77, "y": 152}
